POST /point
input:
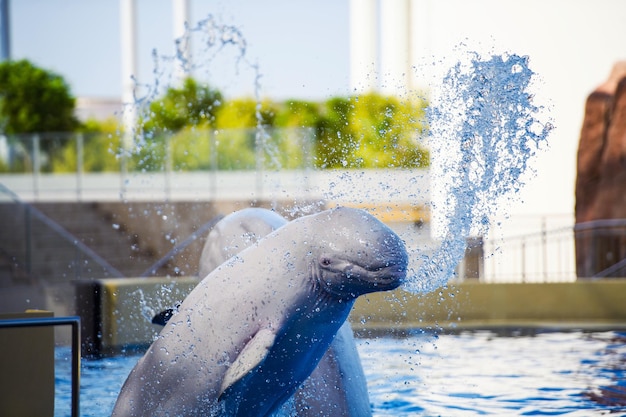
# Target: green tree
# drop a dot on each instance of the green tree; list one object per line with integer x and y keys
{"x": 168, "y": 124}
{"x": 237, "y": 122}
{"x": 34, "y": 100}
{"x": 365, "y": 131}
{"x": 387, "y": 131}
{"x": 298, "y": 113}
{"x": 193, "y": 104}
{"x": 294, "y": 136}
{"x": 101, "y": 148}
{"x": 246, "y": 113}
{"x": 335, "y": 136}
{"x": 371, "y": 131}
{"x": 190, "y": 149}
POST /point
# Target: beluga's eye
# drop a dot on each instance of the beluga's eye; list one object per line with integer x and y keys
{"x": 325, "y": 261}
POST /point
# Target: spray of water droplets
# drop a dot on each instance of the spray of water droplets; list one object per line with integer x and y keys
{"x": 216, "y": 44}
{"x": 485, "y": 129}
{"x": 213, "y": 40}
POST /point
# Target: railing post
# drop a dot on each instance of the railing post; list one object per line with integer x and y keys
{"x": 213, "y": 164}
{"x": 168, "y": 166}
{"x": 308, "y": 138}
{"x": 79, "y": 165}
{"x": 123, "y": 171}
{"x": 36, "y": 164}
{"x": 28, "y": 240}
{"x": 260, "y": 144}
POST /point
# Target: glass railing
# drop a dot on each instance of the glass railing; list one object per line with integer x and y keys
{"x": 187, "y": 150}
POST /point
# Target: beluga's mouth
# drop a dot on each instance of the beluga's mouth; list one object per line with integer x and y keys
{"x": 381, "y": 278}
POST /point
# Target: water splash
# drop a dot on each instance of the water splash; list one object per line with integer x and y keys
{"x": 485, "y": 130}
{"x": 213, "y": 40}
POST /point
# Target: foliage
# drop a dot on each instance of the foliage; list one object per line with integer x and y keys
{"x": 334, "y": 135}
{"x": 191, "y": 105}
{"x": 101, "y": 148}
{"x": 190, "y": 149}
{"x": 193, "y": 149}
{"x": 298, "y": 113}
{"x": 237, "y": 122}
{"x": 242, "y": 113}
{"x": 386, "y": 131}
{"x": 34, "y": 100}
{"x": 194, "y": 127}
{"x": 367, "y": 131}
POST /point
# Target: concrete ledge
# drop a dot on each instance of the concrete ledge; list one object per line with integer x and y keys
{"x": 596, "y": 304}
{"x": 116, "y": 313}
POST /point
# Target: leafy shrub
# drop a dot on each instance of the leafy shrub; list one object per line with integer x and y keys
{"x": 34, "y": 100}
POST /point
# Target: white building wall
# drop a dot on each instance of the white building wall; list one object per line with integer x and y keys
{"x": 363, "y": 45}
{"x": 395, "y": 56}
{"x": 180, "y": 21}
{"x": 390, "y": 45}
{"x": 128, "y": 37}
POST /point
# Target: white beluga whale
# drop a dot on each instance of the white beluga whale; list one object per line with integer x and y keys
{"x": 337, "y": 386}
{"x": 234, "y": 233}
{"x": 256, "y": 327}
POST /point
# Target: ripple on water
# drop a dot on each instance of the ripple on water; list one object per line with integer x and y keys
{"x": 480, "y": 373}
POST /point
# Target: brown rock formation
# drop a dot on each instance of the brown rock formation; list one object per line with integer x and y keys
{"x": 601, "y": 180}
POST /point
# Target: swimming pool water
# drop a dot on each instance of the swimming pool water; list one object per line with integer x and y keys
{"x": 467, "y": 374}
{"x": 483, "y": 374}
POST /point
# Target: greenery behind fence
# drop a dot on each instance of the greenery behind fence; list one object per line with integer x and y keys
{"x": 193, "y": 127}
{"x": 188, "y": 150}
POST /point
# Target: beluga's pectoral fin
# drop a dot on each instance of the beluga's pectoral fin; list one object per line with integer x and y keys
{"x": 163, "y": 317}
{"x": 253, "y": 353}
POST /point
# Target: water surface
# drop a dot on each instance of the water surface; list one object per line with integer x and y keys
{"x": 467, "y": 374}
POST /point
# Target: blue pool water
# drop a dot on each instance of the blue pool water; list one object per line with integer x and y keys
{"x": 468, "y": 374}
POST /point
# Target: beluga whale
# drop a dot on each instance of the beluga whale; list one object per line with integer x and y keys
{"x": 337, "y": 387}
{"x": 256, "y": 327}
{"x": 234, "y": 233}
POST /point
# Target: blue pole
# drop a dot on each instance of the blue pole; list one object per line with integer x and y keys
{"x": 5, "y": 31}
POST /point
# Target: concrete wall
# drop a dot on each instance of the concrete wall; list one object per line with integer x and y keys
{"x": 116, "y": 313}
{"x": 38, "y": 266}
{"x": 128, "y": 236}
{"x": 470, "y": 304}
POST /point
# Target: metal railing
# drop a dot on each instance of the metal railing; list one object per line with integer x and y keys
{"x": 31, "y": 230}
{"x": 601, "y": 248}
{"x": 202, "y": 230}
{"x": 544, "y": 256}
{"x": 595, "y": 249}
